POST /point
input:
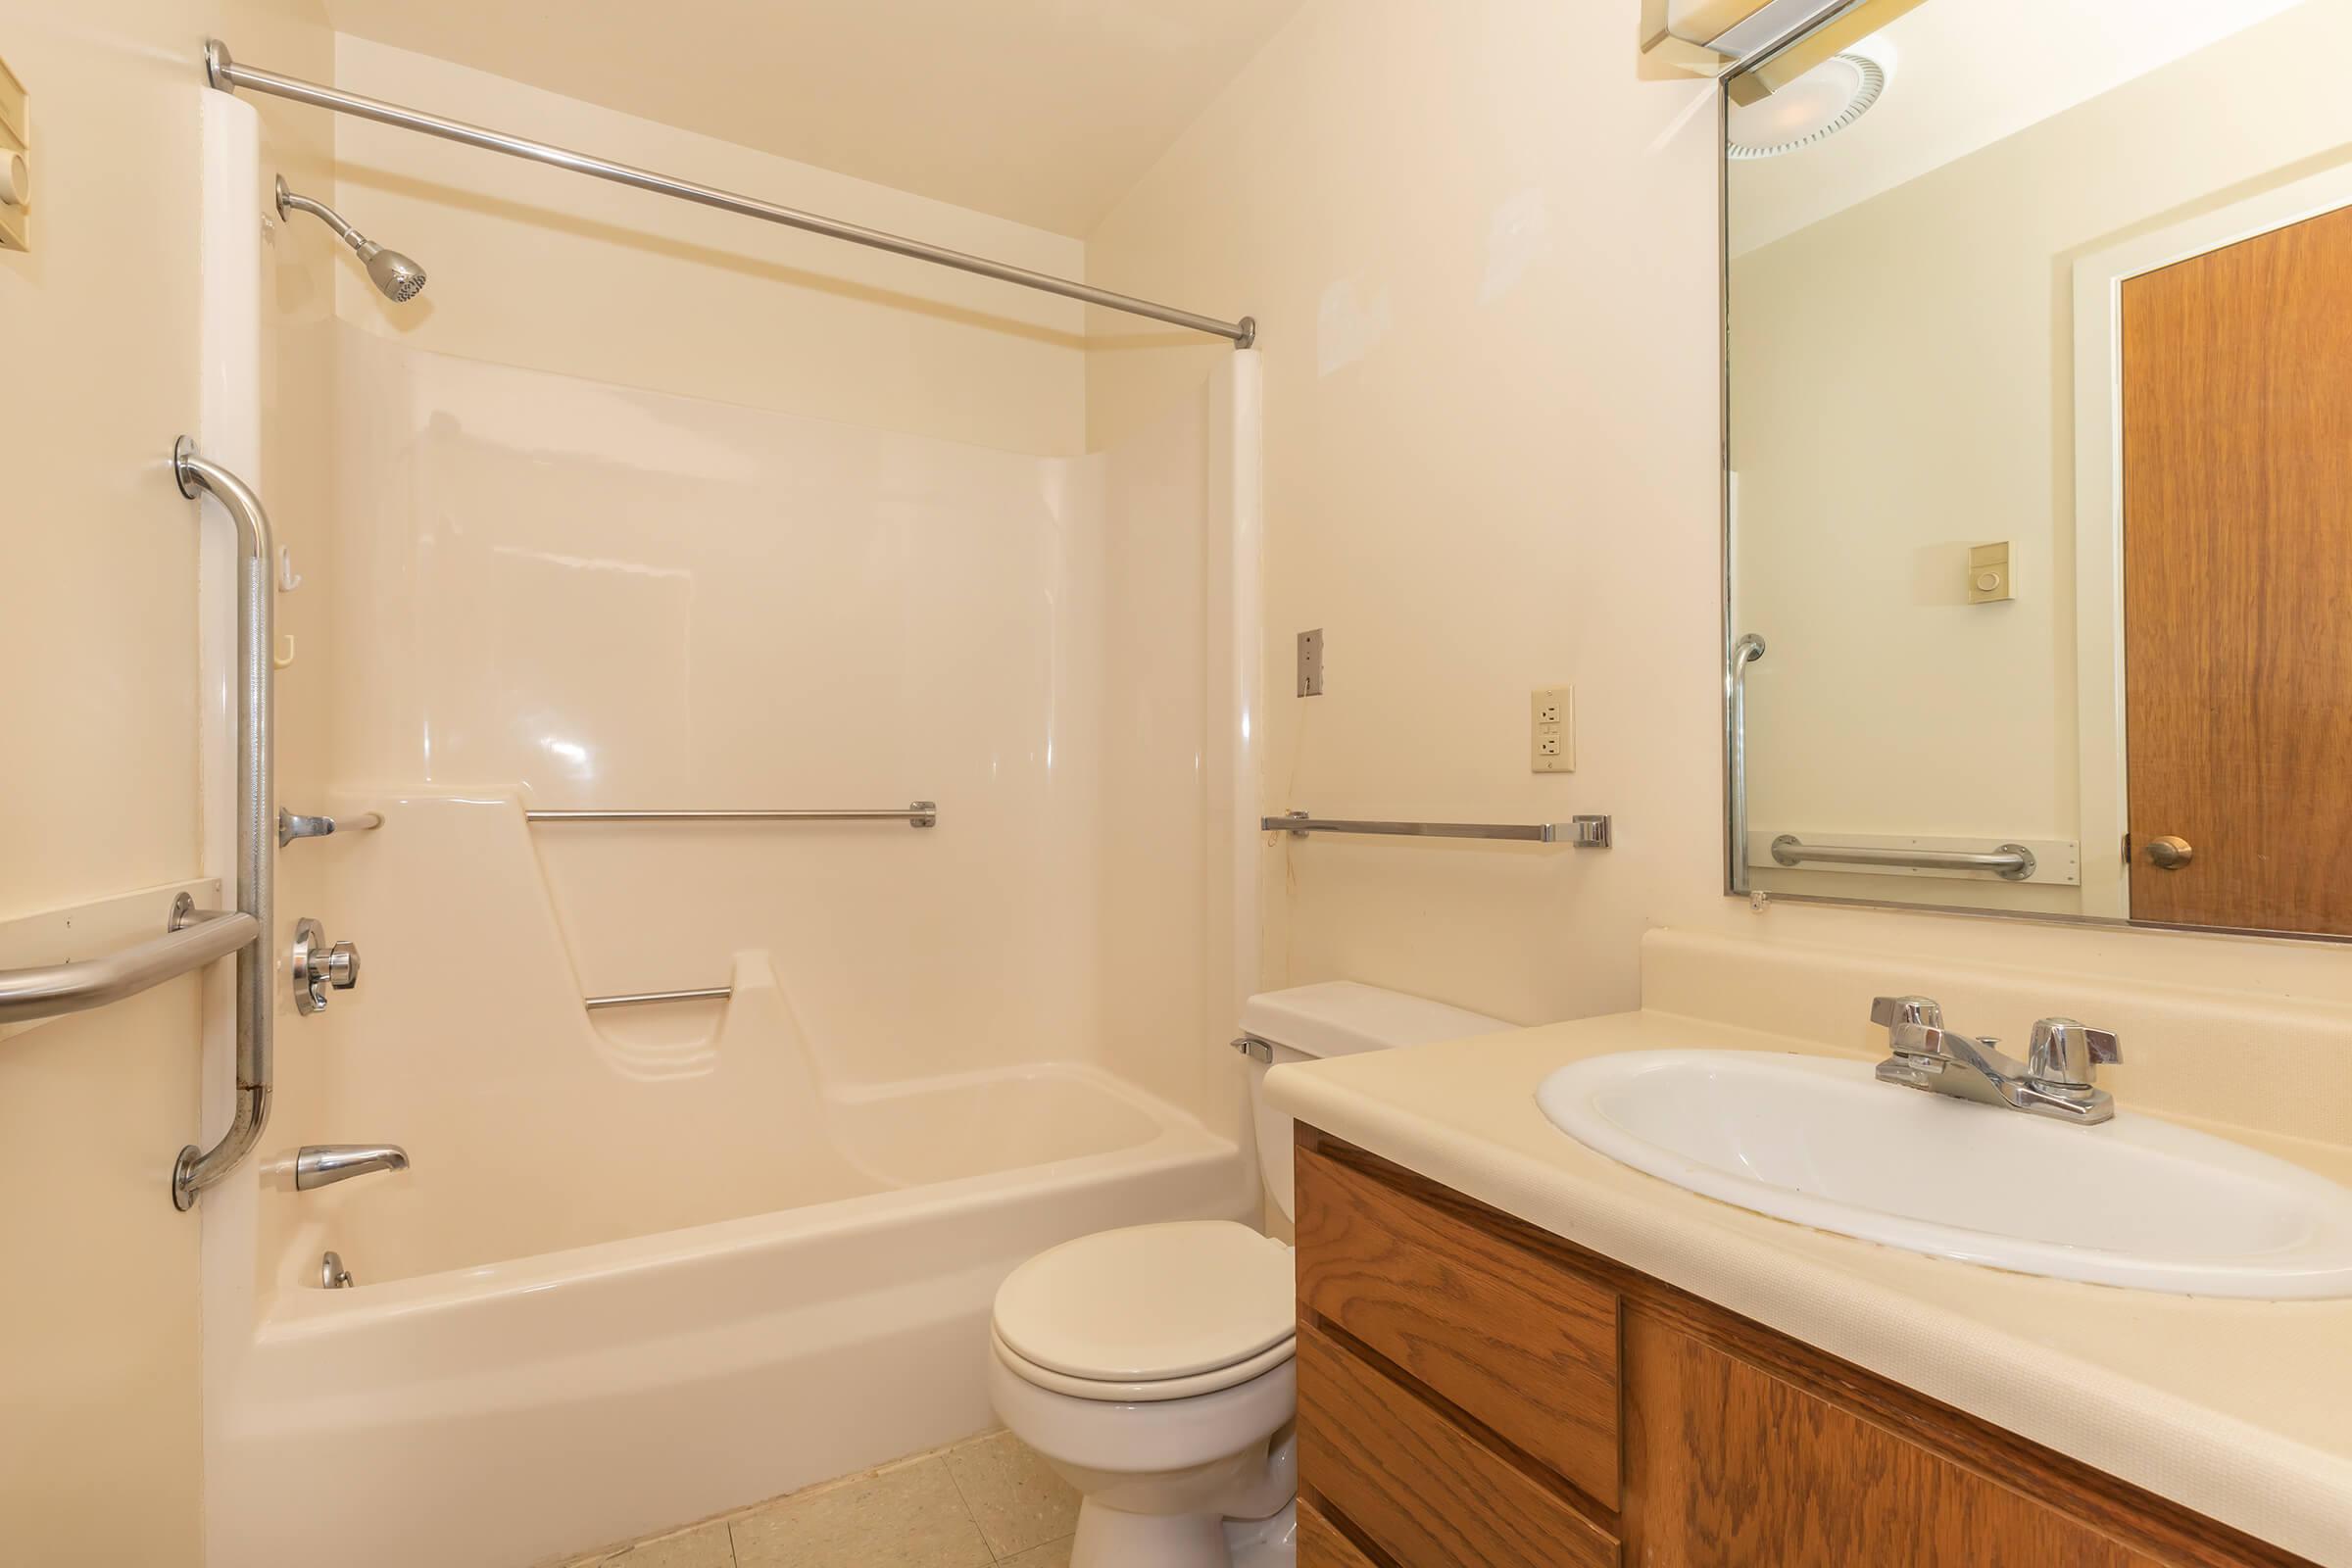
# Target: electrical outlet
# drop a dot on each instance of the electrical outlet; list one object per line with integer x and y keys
{"x": 1552, "y": 729}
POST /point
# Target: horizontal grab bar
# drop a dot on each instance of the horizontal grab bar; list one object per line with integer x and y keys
{"x": 641, "y": 998}
{"x": 1585, "y": 832}
{"x": 198, "y": 937}
{"x": 292, "y": 825}
{"x": 2014, "y": 862}
{"x": 921, "y": 813}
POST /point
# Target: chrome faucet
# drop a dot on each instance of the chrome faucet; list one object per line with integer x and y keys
{"x": 2057, "y": 1078}
{"x": 324, "y": 1164}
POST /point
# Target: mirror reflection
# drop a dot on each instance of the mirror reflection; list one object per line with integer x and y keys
{"x": 2040, "y": 427}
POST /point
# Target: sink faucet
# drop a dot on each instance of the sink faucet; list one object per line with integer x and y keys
{"x": 2057, "y": 1078}
{"x": 324, "y": 1164}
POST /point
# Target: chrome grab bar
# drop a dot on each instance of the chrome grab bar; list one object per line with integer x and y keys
{"x": 920, "y": 813}
{"x": 292, "y": 825}
{"x": 2014, "y": 862}
{"x": 197, "y": 1169}
{"x": 194, "y": 939}
{"x": 1745, "y": 652}
{"x": 641, "y": 998}
{"x": 1585, "y": 832}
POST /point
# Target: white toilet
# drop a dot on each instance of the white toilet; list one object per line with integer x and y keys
{"x": 1152, "y": 1366}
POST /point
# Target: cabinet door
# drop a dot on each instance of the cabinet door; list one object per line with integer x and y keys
{"x": 1728, "y": 1466}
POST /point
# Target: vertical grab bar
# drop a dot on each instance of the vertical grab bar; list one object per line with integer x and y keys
{"x": 195, "y": 1170}
{"x": 1745, "y": 652}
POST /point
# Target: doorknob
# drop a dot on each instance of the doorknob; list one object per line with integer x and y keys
{"x": 2171, "y": 852}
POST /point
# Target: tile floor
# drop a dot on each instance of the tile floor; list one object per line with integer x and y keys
{"x": 987, "y": 1502}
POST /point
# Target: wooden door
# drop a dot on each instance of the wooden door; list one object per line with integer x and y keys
{"x": 2237, "y": 581}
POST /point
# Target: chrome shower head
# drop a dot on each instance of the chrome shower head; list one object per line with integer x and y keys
{"x": 397, "y": 276}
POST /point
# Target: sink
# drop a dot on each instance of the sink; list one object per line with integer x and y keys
{"x": 2135, "y": 1202}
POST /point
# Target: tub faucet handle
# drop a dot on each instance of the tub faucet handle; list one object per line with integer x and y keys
{"x": 318, "y": 964}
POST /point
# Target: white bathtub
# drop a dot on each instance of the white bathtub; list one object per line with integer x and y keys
{"x": 519, "y": 1411}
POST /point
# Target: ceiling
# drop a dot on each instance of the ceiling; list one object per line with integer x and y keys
{"x": 1041, "y": 111}
{"x": 1962, "y": 74}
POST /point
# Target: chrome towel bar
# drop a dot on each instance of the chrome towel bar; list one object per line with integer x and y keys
{"x": 920, "y": 813}
{"x": 642, "y": 999}
{"x": 195, "y": 938}
{"x": 2013, "y": 861}
{"x": 1585, "y": 832}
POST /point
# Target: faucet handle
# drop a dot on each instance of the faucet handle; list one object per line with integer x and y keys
{"x": 2068, "y": 1054}
{"x": 1888, "y": 1011}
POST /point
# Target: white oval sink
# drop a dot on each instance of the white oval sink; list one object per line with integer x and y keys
{"x": 2135, "y": 1202}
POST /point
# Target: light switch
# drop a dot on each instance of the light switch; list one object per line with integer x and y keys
{"x": 1989, "y": 578}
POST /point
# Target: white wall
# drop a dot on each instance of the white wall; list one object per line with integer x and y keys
{"x": 538, "y": 266}
{"x": 100, "y": 1457}
{"x": 1903, "y": 388}
{"x": 1482, "y": 253}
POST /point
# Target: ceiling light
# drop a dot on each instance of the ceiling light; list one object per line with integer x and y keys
{"x": 1813, "y": 108}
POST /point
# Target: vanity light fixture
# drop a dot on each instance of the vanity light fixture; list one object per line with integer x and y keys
{"x": 1815, "y": 107}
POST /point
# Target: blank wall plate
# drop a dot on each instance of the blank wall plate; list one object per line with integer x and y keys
{"x": 1552, "y": 729}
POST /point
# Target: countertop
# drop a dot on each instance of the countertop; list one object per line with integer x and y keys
{"x": 2242, "y": 1410}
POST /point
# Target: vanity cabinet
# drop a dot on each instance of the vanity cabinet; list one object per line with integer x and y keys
{"x": 1474, "y": 1391}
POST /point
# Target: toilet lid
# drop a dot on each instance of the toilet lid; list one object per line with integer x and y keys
{"x": 1150, "y": 1303}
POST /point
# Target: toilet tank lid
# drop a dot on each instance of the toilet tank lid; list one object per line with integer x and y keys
{"x": 1339, "y": 1018}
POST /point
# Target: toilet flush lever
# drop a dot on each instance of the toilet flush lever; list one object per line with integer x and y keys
{"x": 1255, "y": 1049}
{"x": 318, "y": 964}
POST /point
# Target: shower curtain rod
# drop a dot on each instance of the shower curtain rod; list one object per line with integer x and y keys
{"x": 224, "y": 73}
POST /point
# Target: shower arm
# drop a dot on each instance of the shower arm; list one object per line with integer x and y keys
{"x": 324, "y": 213}
{"x": 224, "y": 73}
{"x": 197, "y": 1169}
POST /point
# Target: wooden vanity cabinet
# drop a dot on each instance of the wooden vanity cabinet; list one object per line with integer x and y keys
{"x": 1476, "y": 1392}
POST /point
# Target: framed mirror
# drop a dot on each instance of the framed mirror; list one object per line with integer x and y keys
{"x": 2038, "y": 488}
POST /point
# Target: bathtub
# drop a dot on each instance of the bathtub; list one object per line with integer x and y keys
{"x": 517, "y": 1412}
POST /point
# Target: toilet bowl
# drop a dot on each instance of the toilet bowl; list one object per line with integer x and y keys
{"x": 1152, "y": 1367}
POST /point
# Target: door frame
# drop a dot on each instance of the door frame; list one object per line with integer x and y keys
{"x": 2098, "y": 283}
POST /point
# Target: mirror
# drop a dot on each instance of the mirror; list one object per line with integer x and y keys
{"x": 2039, "y": 488}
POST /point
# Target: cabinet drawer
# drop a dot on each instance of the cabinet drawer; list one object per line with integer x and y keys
{"x": 1422, "y": 1490}
{"x": 1320, "y": 1543}
{"x": 1513, "y": 1339}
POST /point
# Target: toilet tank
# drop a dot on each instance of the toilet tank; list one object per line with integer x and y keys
{"x": 1337, "y": 1019}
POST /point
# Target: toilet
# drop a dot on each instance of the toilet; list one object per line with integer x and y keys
{"x": 1152, "y": 1366}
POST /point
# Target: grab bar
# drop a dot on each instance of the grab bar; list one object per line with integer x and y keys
{"x": 292, "y": 825}
{"x": 197, "y": 1169}
{"x": 194, "y": 939}
{"x": 2014, "y": 862}
{"x": 641, "y": 998}
{"x": 920, "y": 813}
{"x": 1745, "y": 652}
{"x": 1585, "y": 832}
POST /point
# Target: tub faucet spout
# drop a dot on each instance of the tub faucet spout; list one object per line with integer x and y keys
{"x": 324, "y": 1164}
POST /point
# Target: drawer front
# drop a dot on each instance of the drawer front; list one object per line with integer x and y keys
{"x": 1422, "y": 1490}
{"x": 1321, "y": 1545}
{"x": 1513, "y": 1339}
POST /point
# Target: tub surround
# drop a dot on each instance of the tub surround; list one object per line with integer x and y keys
{"x": 2233, "y": 1409}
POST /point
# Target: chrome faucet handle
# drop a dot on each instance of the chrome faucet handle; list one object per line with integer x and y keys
{"x": 1904, "y": 1017}
{"x": 2066, "y": 1054}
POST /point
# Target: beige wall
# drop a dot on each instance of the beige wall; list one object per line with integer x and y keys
{"x": 539, "y": 267}
{"x": 99, "y": 1378}
{"x": 1903, "y": 388}
{"x": 1481, "y": 252}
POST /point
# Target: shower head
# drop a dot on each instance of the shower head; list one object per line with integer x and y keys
{"x": 398, "y": 276}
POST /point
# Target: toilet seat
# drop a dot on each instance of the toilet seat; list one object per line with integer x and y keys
{"x": 1214, "y": 1381}
{"x": 1151, "y": 1312}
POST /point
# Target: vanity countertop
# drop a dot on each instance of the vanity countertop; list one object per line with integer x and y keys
{"x": 2242, "y": 1410}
